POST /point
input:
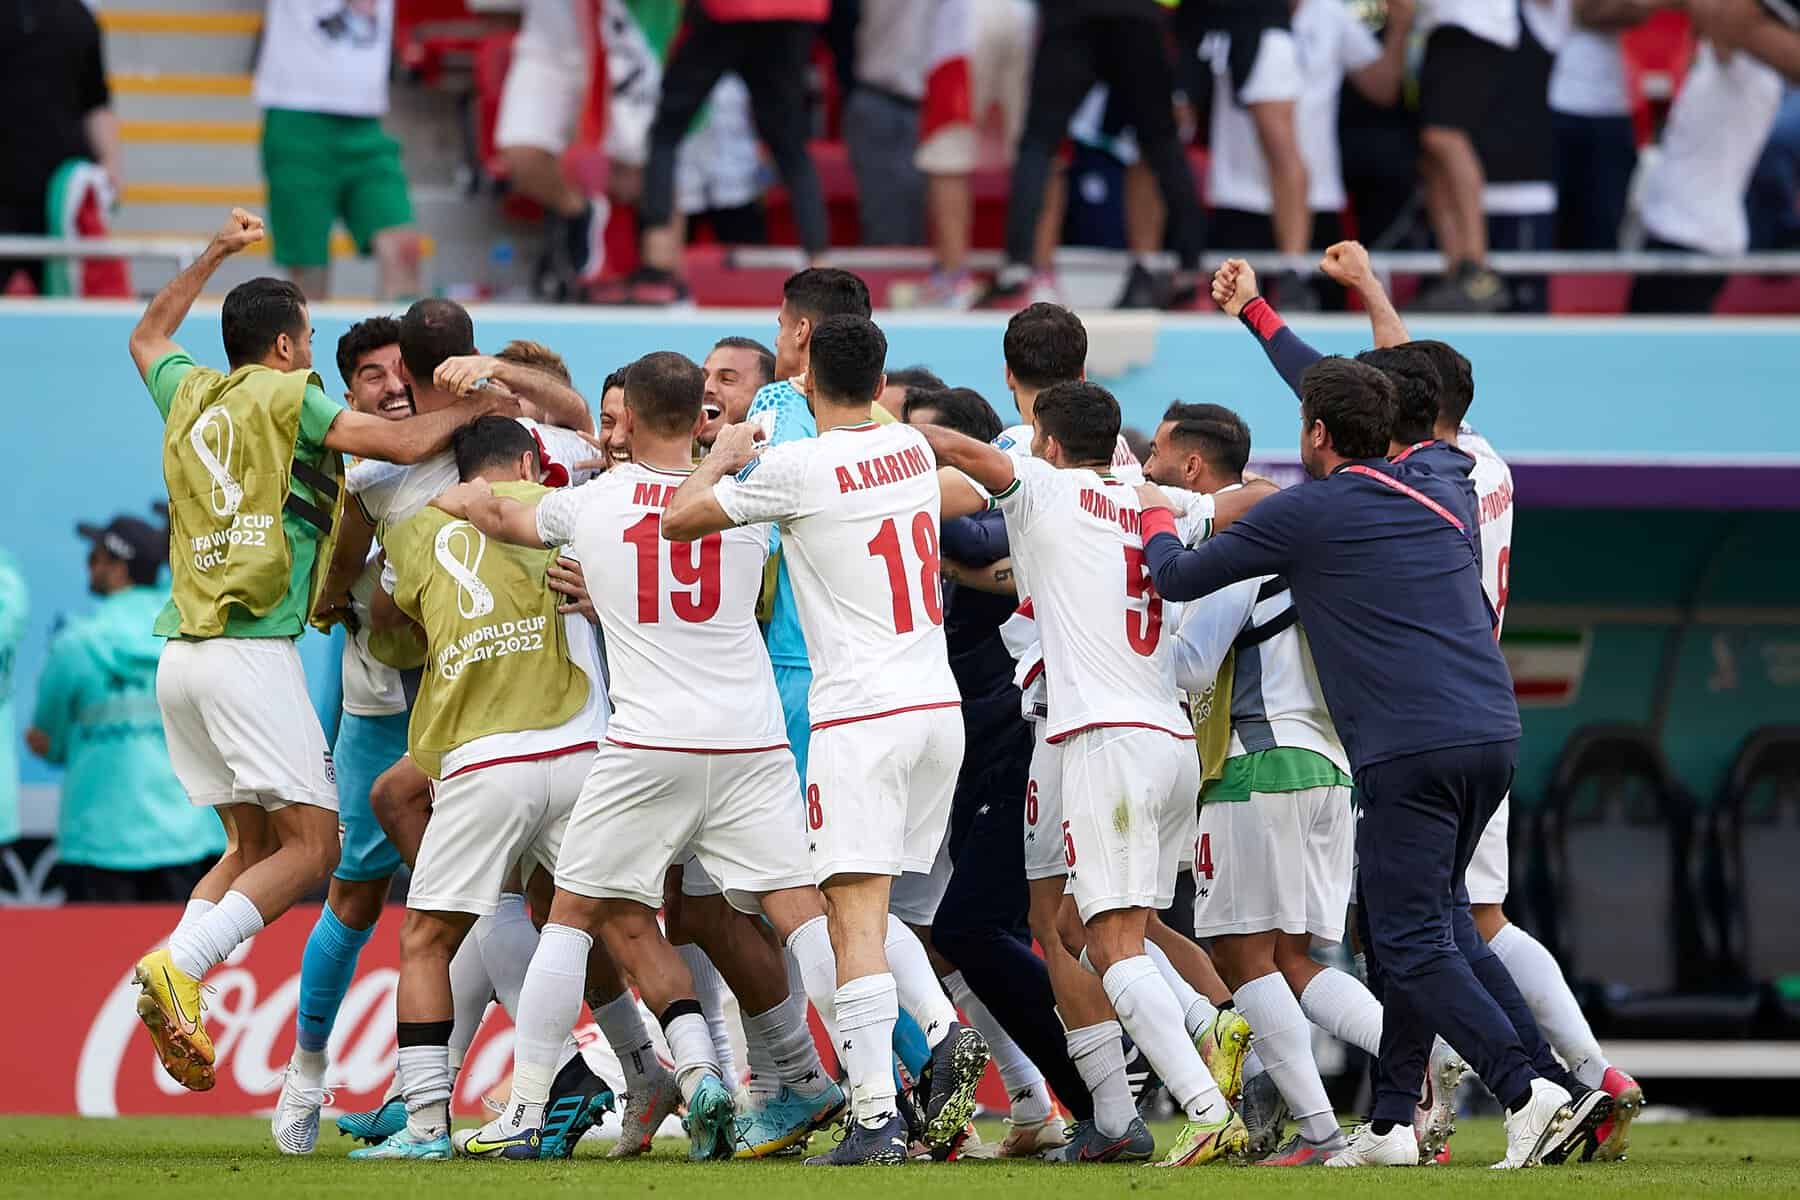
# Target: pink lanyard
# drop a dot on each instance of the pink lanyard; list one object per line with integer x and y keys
{"x": 1413, "y": 493}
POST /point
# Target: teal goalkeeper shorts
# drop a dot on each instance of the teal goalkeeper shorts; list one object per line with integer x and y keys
{"x": 366, "y": 746}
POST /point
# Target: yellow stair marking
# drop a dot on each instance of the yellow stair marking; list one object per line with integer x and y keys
{"x": 179, "y": 83}
{"x": 191, "y": 193}
{"x": 164, "y": 21}
{"x": 241, "y": 132}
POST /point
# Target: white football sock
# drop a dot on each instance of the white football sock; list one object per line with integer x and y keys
{"x": 691, "y": 1046}
{"x": 1025, "y": 1084}
{"x": 710, "y": 991}
{"x": 195, "y": 909}
{"x": 1100, "y": 1057}
{"x": 508, "y": 940}
{"x": 1341, "y": 1006}
{"x": 549, "y": 1006}
{"x": 1197, "y": 1012}
{"x": 809, "y": 947}
{"x": 198, "y": 947}
{"x": 866, "y": 1011}
{"x": 762, "y": 1082}
{"x": 621, "y": 1022}
{"x": 311, "y": 1064}
{"x": 471, "y": 991}
{"x": 424, "y": 1077}
{"x": 788, "y": 1040}
{"x": 1253, "y": 1064}
{"x": 921, "y": 995}
{"x": 1148, "y": 1011}
{"x": 1284, "y": 1044}
{"x": 1547, "y": 994}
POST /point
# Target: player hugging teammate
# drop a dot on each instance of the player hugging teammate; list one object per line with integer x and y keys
{"x": 557, "y": 685}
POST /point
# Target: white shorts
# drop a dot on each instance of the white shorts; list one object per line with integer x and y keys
{"x": 486, "y": 820}
{"x": 878, "y": 792}
{"x": 1489, "y": 871}
{"x": 696, "y": 882}
{"x": 1128, "y": 806}
{"x": 1046, "y": 853}
{"x": 916, "y": 895}
{"x": 641, "y": 811}
{"x": 241, "y": 728}
{"x": 1277, "y": 861}
{"x": 1003, "y": 39}
{"x": 546, "y": 85}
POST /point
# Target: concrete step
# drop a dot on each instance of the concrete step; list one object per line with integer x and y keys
{"x": 137, "y": 8}
{"x": 223, "y": 162}
{"x": 167, "y": 108}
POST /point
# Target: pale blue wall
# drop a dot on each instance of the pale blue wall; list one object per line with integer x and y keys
{"x": 84, "y": 439}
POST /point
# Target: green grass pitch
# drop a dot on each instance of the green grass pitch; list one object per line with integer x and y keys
{"x": 52, "y": 1157}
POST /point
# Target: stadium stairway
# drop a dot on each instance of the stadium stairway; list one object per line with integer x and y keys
{"x": 180, "y": 72}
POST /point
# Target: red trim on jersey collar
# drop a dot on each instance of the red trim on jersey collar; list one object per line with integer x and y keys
{"x": 892, "y": 712}
{"x": 859, "y": 427}
{"x": 664, "y": 470}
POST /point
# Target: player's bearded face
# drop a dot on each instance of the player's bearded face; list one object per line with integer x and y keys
{"x": 1312, "y": 443}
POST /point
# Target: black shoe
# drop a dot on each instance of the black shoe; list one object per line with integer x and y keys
{"x": 1469, "y": 287}
{"x": 646, "y": 286}
{"x": 1009, "y": 288}
{"x": 1141, "y": 290}
{"x": 578, "y": 1099}
{"x": 864, "y": 1147}
{"x": 955, "y": 1071}
{"x": 1293, "y": 293}
{"x": 1591, "y": 1109}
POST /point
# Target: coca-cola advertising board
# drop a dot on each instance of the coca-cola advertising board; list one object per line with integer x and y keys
{"x": 73, "y": 1044}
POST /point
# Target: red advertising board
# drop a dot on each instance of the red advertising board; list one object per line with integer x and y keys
{"x": 73, "y": 1043}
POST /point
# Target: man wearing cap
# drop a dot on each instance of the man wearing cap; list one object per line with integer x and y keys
{"x": 126, "y": 832}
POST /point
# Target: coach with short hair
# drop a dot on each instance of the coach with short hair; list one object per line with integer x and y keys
{"x": 1385, "y": 572}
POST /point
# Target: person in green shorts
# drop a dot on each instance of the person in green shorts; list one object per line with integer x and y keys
{"x": 253, "y": 463}
{"x": 322, "y": 83}
{"x": 1276, "y": 835}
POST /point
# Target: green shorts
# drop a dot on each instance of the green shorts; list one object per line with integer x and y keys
{"x": 321, "y": 167}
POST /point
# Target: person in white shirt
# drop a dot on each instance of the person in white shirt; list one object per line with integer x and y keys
{"x": 695, "y": 761}
{"x": 858, "y": 508}
{"x": 1331, "y": 45}
{"x": 1692, "y": 198}
{"x": 322, "y": 83}
{"x": 1129, "y": 775}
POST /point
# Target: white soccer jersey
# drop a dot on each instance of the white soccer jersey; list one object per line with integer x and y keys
{"x": 858, "y": 508}
{"x": 390, "y": 493}
{"x": 683, "y": 652}
{"x": 1494, "y": 497}
{"x": 1107, "y": 652}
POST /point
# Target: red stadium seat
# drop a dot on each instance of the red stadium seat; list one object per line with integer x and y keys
{"x": 430, "y": 35}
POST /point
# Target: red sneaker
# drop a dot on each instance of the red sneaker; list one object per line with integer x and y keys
{"x": 1613, "y": 1137}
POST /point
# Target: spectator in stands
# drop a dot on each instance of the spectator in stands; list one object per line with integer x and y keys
{"x": 322, "y": 83}
{"x": 1693, "y": 196}
{"x": 1379, "y": 150}
{"x": 902, "y": 383}
{"x": 1246, "y": 49}
{"x": 996, "y": 37}
{"x": 1461, "y": 86}
{"x": 881, "y": 117}
{"x": 1774, "y": 214}
{"x": 1330, "y": 44}
{"x": 548, "y": 84}
{"x": 15, "y": 608}
{"x": 1120, "y": 43}
{"x": 768, "y": 44}
{"x": 1590, "y": 115}
{"x": 1516, "y": 145}
{"x": 126, "y": 830}
{"x": 53, "y": 90}
{"x": 735, "y": 370}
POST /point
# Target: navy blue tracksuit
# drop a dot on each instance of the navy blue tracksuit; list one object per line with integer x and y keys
{"x": 1385, "y": 572}
{"x": 981, "y": 924}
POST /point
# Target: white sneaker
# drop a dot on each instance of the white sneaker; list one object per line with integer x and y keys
{"x": 1435, "y": 1118}
{"x": 1395, "y": 1148}
{"x": 646, "y": 1108}
{"x": 296, "y": 1120}
{"x": 1531, "y": 1130}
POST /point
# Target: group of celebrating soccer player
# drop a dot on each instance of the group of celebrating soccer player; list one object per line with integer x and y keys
{"x": 703, "y": 663}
